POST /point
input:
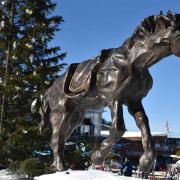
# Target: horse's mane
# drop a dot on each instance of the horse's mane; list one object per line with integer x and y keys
{"x": 154, "y": 24}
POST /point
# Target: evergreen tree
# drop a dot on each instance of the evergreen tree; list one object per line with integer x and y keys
{"x": 28, "y": 66}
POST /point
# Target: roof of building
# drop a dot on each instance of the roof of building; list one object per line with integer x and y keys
{"x": 131, "y": 135}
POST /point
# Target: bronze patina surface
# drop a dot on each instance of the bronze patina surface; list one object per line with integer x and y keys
{"x": 116, "y": 77}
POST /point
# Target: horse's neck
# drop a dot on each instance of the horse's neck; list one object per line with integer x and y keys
{"x": 142, "y": 58}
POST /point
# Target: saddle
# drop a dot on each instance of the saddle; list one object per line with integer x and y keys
{"x": 80, "y": 75}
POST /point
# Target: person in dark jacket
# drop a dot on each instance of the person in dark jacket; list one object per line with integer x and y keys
{"x": 127, "y": 168}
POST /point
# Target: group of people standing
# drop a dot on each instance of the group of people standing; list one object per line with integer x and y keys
{"x": 125, "y": 169}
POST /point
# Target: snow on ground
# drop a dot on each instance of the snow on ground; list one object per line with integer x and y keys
{"x": 83, "y": 175}
{"x": 5, "y": 175}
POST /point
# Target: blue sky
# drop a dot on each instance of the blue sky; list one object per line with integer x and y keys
{"x": 92, "y": 25}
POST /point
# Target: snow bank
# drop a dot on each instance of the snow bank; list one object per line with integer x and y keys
{"x": 83, "y": 175}
{"x": 5, "y": 175}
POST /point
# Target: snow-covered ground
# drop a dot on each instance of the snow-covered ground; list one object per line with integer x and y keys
{"x": 83, "y": 175}
{"x": 5, "y": 175}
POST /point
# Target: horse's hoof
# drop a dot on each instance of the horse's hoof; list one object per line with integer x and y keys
{"x": 59, "y": 168}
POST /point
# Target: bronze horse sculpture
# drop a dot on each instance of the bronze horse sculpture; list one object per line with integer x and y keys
{"x": 116, "y": 77}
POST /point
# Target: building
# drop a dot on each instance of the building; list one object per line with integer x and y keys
{"x": 130, "y": 145}
{"x": 91, "y": 125}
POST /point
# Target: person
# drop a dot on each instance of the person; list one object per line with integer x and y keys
{"x": 127, "y": 168}
{"x": 101, "y": 167}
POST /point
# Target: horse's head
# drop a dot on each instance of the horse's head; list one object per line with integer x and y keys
{"x": 175, "y": 37}
{"x": 156, "y": 37}
{"x": 168, "y": 32}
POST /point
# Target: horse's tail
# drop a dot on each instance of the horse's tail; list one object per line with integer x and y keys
{"x": 44, "y": 111}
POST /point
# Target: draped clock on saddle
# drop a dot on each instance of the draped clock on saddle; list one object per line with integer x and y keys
{"x": 116, "y": 77}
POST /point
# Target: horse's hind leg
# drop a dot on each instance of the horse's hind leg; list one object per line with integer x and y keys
{"x": 116, "y": 131}
{"x": 60, "y": 125}
{"x": 63, "y": 126}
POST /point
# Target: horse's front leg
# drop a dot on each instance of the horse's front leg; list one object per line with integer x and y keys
{"x": 116, "y": 131}
{"x": 147, "y": 159}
